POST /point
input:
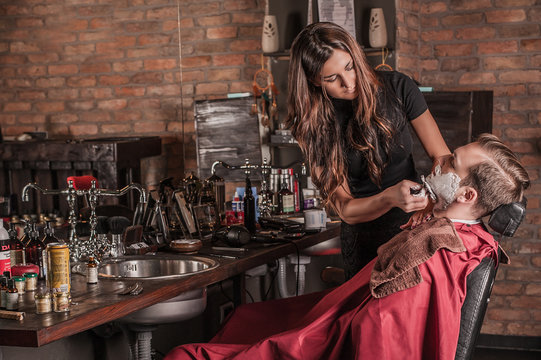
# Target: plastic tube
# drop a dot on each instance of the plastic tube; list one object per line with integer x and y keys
{"x": 282, "y": 275}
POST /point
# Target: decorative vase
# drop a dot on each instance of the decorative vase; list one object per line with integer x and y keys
{"x": 377, "y": 34}
{"x": 269, "y": 40}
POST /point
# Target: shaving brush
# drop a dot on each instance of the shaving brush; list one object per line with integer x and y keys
{"x": 117, "y": 226}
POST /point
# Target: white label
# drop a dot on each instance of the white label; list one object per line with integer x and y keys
{"x": 288, "y": 203}
{"x": 92, "y": 275}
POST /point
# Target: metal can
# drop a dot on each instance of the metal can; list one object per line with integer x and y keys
{"x": 58, "y": 267}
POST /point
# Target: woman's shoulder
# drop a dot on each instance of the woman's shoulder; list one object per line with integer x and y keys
{"x": 395, "y": 78}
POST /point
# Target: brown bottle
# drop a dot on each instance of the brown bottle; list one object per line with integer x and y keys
{"x": 16, "y": 247}
{"x": 34, "y": 251}
{"x": 92, "y": 271}
{"x": 286, "y": 199}
{"x": 12, "y": 296}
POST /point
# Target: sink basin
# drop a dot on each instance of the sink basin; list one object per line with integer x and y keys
{"x": 154, "y": 267}
{"x": 185, "y": 306}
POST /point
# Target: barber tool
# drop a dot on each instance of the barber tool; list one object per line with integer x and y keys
{"x": 424, "y": 190}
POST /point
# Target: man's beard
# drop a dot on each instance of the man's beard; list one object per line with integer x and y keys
{"x": 445, "y": 186}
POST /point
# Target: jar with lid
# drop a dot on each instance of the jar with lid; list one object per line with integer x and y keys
{"x": 19, "y": 284}
{"x": 31, "y": 281}
{"x": 43, "y": 302}
{"x": 61, "y": 301}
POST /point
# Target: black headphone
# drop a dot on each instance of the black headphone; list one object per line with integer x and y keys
{"x": 506, "y": 218}
{"x": 234, "y": 236}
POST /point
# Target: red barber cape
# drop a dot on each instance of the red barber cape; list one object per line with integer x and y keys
{"x": 421, "y": 322}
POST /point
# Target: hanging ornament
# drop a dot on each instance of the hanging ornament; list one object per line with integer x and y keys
{"x": 264, "y": 86}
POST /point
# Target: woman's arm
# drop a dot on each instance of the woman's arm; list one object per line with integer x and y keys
{"x": 428, "y": 132}
{"x": 353, "y": 211}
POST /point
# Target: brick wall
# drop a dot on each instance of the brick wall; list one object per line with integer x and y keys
{"x": 94, "y": 68}
{"x": 491, "y": 45}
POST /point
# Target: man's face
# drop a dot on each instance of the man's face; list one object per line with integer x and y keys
{"x": 445, "y": 182}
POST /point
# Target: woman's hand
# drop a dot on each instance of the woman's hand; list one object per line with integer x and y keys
{"x": 400, "y": 196}
{"x": 420, "y": 217}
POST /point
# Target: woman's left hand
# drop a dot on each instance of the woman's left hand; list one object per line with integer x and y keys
{"x": 420, "y": 217}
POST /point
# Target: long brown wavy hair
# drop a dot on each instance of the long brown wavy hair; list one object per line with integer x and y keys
{"x": 311, "y": 116}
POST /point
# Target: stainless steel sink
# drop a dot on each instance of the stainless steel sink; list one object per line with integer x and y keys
{"x": 154, "y": 267}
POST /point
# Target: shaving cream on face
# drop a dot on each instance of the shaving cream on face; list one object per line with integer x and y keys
{"x": 444, "y": 186}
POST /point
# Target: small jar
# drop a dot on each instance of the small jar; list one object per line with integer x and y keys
{"x": 61, "y": 301}
{"x": 31, "y": 281}
{"x": 19, "y": 284}
{"x": 43, "y": 302}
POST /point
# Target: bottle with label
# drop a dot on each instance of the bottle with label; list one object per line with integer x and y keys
{"x": 12, "y": 296}
{"x": 92, "y": 271}
{"x": 5, "y": 261}
{"x": 3, "y": 291}
{"x": 286, "y": 199}
{"x": 16, "y": 247}
{"x": 48, "y": 238}
{"x": 34, "y": 250}
{"x": 249, "y": 207}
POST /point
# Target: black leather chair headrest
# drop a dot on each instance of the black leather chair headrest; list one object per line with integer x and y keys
{"x": 507, "y": 218}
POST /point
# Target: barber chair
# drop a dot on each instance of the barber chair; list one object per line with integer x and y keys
{"x": 505, "y": 220}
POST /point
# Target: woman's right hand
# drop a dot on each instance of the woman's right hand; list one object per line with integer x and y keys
{"x": 400, "y": 196}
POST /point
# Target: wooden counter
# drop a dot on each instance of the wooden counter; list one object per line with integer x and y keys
{"x": 97, "y": 304}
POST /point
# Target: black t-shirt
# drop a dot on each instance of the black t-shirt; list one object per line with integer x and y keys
{"x": 401, "y": 101}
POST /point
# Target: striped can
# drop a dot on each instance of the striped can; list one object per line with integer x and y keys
{"x": 58, "y": 267}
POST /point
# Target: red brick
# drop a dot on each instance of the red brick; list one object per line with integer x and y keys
{"x": 96, "y": 93}
{"x": 32, "y": 71}
{"x": 97, "y": 23}
{"x": 149, "y": 127}
{"x": 107, "y": 80}
{"x": 163, "y": 90}
{"x": 226, "y": 32}
{"x": 518, "y": 104}
{"x": 44, "y": 57}
{"x": 130, "y": 14}
{"x": 17, "y": 130}
{"x": 83, "y": 129}
{"x": 63, "y": 69}
{"x": 429, "y": 22}
{"x": 506, "y": 288}
{"x": 139, "y": 53}
{"x": 240, "y": 86}
{"x": 196, "y": 61}
{"x": 12, "y": 59}
{"x": 147, "y": 78}
{"x": 518, "y": 30}
{"x": 530, "y": 45}
{"x": 228, "y": 60}
{"x": 437, "y": 79}
{"x": 169, "y": 25}
{"x": 130, "y": 91}
{"x": 497, "y": 47}
{"x": 79, "y": 49}
{"x": 127, "y": 115}
{"x": 134, "y": 65}
{"x": 470, "y": 4}
{"x": 95, "y": 68}
{"x": 453, "y": 50}
{"x": 51, "y": 106}
{"x": 467, "y": 64}
{"x": 160, "y": 64}
{"x": 112, "y": 104}
{"x": 214, "y": 20}
{"x": 504, "y": 62}
{"x": 29, "y": 22}
{"x": 192, "y": 34}
{"x": 64, "y": 118}
{"x": 95, "y": 116}
{"x": 31, "y": 118}
{"x": 17, "y": 106}
{"x": 63, "y": 94}
{"x": 211, "y": 88}
{"x": 47, "y": 9}
{"x": 7, "y": 119}
{"x": 31, "y": 95}
{"x": 247, "y": 18}
{"x": 80, "y": 105}
{"x": 521, "y": 76}
{"x": 504, "y": 16}
{"x": 437, "y": 35}
{"x": 433, "y": 7}
{"x": 153, "y": 39}
{"x": 164, "y": 13}
{"x": 509, "y": 90}
{"x": 236, "y": 5}
{"x": 463, "y": 19}
{"x": 514, "y": 3}
{"x": 245, "y": 45}
{"x": 509, "y": 119}
{"x": 23, "y": 47}
{"x": 475, "y": 33}
{"x": 81, "y": 81}
{"x": 477, "y": 78}
{"x": 115, "y": 128}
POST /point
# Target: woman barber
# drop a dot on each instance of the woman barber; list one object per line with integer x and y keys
{"x": 351, "y": 124}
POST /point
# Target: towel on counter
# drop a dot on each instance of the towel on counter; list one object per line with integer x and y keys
{"x": 397, "y": 264}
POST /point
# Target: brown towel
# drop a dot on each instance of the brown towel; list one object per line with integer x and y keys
{"x": 396, "y": 267}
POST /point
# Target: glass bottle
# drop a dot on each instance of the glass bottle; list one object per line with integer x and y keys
{"x": 265, "y": 200}
{"x": 92, "y": 271}
{"x": 286, "y": 200}
{"x": 12, "y": 296}
{"x": 34, "y": 250}
{"x": 48, "y": 238}
{"x": 249, "y": 207}
{"x": 16, "y": 247}
{"x": 3, "y": 291}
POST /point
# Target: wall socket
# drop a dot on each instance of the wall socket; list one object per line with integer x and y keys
{"x": 225, "y": 309}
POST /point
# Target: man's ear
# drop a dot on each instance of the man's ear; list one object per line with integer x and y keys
{"x": 467, "y": 195}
